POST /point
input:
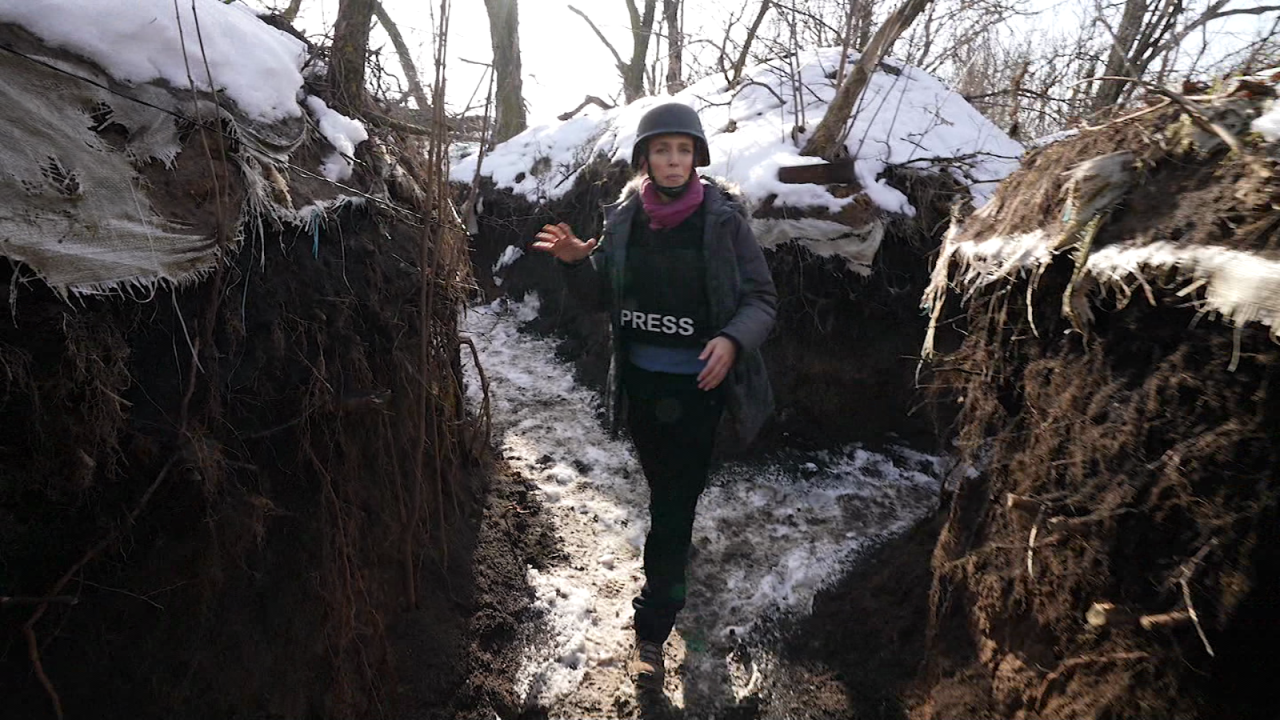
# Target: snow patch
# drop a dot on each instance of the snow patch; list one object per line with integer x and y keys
{"x": 509, "y": 256}
{"x": 1052, "y": 138}
{"x": 141, "y": 41}
{"x": 903, "y": 116}
{"x": 1268, "y": 124}
{"x": 343, "y": 133}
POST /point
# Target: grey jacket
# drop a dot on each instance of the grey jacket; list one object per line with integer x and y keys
{"x": 741, "y": 298}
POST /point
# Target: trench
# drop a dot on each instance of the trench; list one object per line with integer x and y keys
{"x": 773, "y": 532}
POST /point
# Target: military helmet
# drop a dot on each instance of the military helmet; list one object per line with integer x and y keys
{"x": 671, "y": 118}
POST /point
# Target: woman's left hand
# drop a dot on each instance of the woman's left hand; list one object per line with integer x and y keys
{"x": 719, "y": 355}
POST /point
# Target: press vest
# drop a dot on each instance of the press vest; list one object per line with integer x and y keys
{"x": 664, "y": 294}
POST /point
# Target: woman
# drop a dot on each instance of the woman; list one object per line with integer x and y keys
{"x": 691, "y": 300}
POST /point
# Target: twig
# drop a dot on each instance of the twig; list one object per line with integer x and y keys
{"x": 621, "y": 65}
{"x": 1104, "y": 614}
{"x": 1184, "y": 579}
{"x": 23, "y": 600}
{"x": 1085, "y": 660}
{"x": 28, "y": 629}
{"x": 1194, "y": 110}
{"x": 1031, "y": 547}
{"x": 1131, "y": 116}
{"x": 1177, "y": 617}
{"x": 746, "y": 83}
{"x": 1073, "y": 524}
{"x": 398, "y": 125}
{"x": 1020, "y": 503}
{"x": 484, "y": 386}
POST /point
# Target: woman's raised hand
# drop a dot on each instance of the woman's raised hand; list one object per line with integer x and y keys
{"x": 560, "y": 241}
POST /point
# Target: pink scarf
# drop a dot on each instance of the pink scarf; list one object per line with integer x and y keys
{"x": 670, "y": 214}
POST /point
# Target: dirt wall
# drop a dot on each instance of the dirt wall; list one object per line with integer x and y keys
{"x": 843, "y": 355}
{"x": 1147, "y": 471}
{"x": 236, "y": 531}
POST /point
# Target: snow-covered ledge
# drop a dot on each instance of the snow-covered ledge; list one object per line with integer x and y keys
{"x": 905, "y": 117}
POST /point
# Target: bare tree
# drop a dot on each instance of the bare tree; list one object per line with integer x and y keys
{"x": 827, "y": 139}
{"x": 291, "y": 13}
{"x": 740, "y": 64}
{"x": 672, "y": 11}
{"x": 641, "y": 31}
{"x": 1149, "y": 29}
{"x": 504, "y": 31}
{"x": 862, "y": 22}
{"x": 349, "y": 53}
{"x": 406, "y": 58}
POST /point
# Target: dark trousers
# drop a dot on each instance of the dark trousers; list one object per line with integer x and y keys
{"x": 673, "y": 425}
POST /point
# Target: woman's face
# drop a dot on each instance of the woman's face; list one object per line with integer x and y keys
{"x": 670, "y": 159}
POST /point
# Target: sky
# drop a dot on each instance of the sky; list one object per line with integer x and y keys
{"x": 563, "y": 60}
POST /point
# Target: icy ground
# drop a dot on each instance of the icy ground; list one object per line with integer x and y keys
{"x": 768, "y": 537}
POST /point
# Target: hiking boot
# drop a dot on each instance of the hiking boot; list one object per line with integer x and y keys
{"x": 646, "y": 665}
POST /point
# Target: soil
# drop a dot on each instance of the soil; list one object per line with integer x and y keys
{"x": 237, "y": 533}
{"x": 864, "y": 643}
{"x": 1148, "y": 450}
{"x": 457, "y": 656}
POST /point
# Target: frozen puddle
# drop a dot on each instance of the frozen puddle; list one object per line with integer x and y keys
{"x": 767, "y": 538}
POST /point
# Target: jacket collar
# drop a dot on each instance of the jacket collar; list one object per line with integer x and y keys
{"x": 722, "y": 198}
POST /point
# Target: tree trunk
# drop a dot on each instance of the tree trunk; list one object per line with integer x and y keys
{"x": 741, "y": 63}
{"x": 504, "y": 31}
{"x": 291, "y": 13}
{"x": 350, "y": 50}
{"x": 864, "y": 22}
{"x": 826, "y": 141}
{"x": 641, "y": 31}
{"x": 406, "y": 58}
{"x": 1015, "y": 100}
{"x": 675, "y": 46}
{"x": 1118, "y": 62}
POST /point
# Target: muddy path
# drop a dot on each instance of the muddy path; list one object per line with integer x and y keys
{"x": 774, "y": 541}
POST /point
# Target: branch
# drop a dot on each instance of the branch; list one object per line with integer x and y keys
{"x": 589, "y": 100}
{"x": 1193, "y": 110}
{"x": 811, "y": 16}
{"x": 741, "y": 62}
{"x": 398, "y": 125}
{"x": 618, "y": 58}
{"x": 28, "y": 628}
{"x": 406, "y": 58}
{"x": 20, "y": 600}
{"x": 826, "y": 140}
{"x": 1213, "y": 13}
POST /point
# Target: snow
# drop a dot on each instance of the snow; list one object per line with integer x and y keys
{"x": 343, "y": 134}
{"x": 509, "y": 256}
{"x": 768, "y": 536}
{"x": 146, "y": 41}
{"x": 1240, "y": 287}
{"x": 1268, "y": 124}
{"x": 1052, "y": 138}
{"x": 142, "y": 41}
{"x": 904, "y": 116}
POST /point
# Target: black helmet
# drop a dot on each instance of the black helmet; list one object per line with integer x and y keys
{"x": 671, "y": 118}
